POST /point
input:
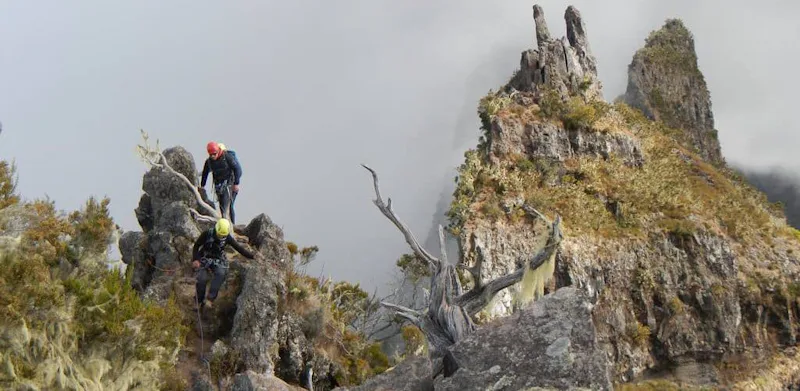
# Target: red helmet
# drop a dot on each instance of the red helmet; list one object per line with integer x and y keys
{"x": 212, "y": 148}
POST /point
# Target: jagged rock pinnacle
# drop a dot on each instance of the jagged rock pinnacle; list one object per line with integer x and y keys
{"x": 565, "y": 65}
{"x": 665, "y": 83}
{"x": 576, "y": 31}
{"x": 542, "y": 33}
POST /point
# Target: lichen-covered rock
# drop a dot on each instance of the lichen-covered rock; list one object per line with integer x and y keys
{"x": 255, "y": 324}
{"x": 501, "y": 248}
{"x": 565, "y": 65}
{"x": 551, "y": 343}
{"x": 144, "y": 213}
{"x": 176, "y": 220}
{"x": 664, "y": 81}
{"x": 545, "y": 139}
{"x": 680, "y": 293}
{"x": 267, "y": 238}
{"x": 182, "y": 161}
{"x": 164, "y": 187}
{"x": 133, "y": 249}
{"x": 293, "y": 343}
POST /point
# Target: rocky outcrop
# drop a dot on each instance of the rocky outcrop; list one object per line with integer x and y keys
{"x": 565, "y": 65}
{"x": 664, "y": 81}
{"x": 673, "y": 299}
{"x": 255, "y": 323}
{"x": 548, "y": 140}
{"x": 550, "y": 344}
{"x": 247, "y": 327}
{"x": 697, "y": 284}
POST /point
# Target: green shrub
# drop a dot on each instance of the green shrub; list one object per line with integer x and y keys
{"x": 78, "y": 320}
{"x": 8, "y": 184}
{"x": 92, "y": 227}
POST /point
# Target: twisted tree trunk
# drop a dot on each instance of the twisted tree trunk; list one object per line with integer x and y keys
{"x": 448, "y": 317}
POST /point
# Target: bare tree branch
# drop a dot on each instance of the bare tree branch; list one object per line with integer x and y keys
{"x": 442, "y": 247}
{"x": 477, "y": 298}
{"x": 155, "y": 158}
{"x": 408, "y": 313}
{"x": 448, "y": 316}
{"x": 387, "y": 211}
{"x": 201, "y": 217}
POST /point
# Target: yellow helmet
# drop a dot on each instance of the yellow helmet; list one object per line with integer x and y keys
{"x": 221, "y": 146}
{"x": 223, "y": 227}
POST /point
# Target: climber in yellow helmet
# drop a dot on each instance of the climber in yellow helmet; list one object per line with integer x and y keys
{"x": 208, "y": 255}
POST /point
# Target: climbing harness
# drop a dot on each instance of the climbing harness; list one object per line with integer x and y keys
{"x": 223, "y": 186}
{"x": 206, "y": 263}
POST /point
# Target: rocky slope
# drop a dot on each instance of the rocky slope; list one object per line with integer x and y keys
{"x": 270, "y": 324}
{"x": 665, "y": 83}
{"x": 692, "y": 270}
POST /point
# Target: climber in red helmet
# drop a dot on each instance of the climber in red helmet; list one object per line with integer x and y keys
{"x": 227, "y": 172}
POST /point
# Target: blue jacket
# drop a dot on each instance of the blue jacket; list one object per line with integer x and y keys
{"x": 226, "y": 167}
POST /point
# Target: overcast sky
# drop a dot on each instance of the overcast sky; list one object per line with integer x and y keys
{"x": 306, "y": 91}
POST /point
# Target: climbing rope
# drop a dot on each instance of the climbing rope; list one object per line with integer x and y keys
{"x": 202, "y": 339}
{"x": 167, "y": 271}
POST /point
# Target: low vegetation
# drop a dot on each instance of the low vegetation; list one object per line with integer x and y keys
{"x": 335, "y": 318}
{"x": 670, "y": 48}
{"x": 675, "y": 191}
{"x": 71, "y": 321}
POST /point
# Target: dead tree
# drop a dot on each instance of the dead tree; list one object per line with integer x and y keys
{"x": 448, "y": 317}
{"x": 153, "y": 157}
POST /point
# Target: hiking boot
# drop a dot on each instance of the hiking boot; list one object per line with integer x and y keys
{"x": 209, "y": 304}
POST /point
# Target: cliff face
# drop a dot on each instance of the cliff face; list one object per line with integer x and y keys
{"x": 664, "y": 82}
{"x": 692, "y": 270}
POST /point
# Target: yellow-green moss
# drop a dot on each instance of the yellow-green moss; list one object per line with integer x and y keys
{"x": 638, "y": 333}
{"x": 415, "y": 341}
{"x": 72, "y": 321}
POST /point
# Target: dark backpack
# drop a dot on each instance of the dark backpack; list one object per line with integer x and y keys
{"x": 235, "y": 158}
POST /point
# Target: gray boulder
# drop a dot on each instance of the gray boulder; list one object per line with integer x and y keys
{"x": 267, "y": 238}
{"x": 551, "y": 343}
{"x": 164, "y": 187}
{"x": 132, "y": 248}
{"x": 255, "y": 324}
